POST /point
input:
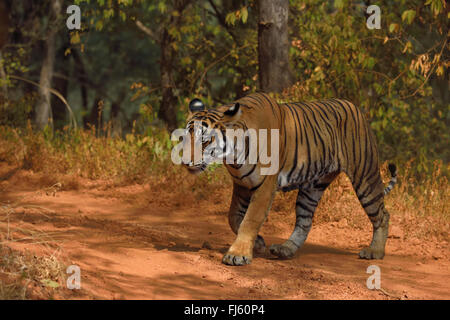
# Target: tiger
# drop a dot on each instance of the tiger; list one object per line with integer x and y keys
{"x": 317, "y": 141}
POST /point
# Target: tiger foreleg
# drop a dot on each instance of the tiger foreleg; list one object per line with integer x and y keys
{"x": 238, "y": 208}
{"x": 241, "y": 251}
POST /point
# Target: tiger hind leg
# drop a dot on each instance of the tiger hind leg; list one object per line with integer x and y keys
{"x": 307, "y": 201}
{"x": 371, "y": 195}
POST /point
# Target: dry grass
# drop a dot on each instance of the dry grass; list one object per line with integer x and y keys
{"x": 66, "y": 160}
{"x": 418, "y": 209}
{"x": 422, "y": 207}
{"x": 23, "y": 274}
{"x": 26, "y": 275}
{"x": 421, "y": 203}
{"x": 83, "y": 154}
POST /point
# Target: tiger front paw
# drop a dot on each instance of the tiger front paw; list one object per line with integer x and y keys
{"x": 240, "y": 252}
{"x": 371, "y": 253}
{"x": 236, "y": 260}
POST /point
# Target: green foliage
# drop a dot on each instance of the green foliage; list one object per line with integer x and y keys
{"x": 218, "y": 62}
{"x": 393, "y": 73}
{"x": 408, "y": 16}
{"x": 18, "y": 112}
{"x": 398, "y": 75}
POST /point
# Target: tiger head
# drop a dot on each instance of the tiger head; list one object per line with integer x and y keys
{"x": 205, "y": 133}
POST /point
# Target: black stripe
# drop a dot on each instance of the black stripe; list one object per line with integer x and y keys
{"x": 270, "y": 102}
{"x": 321, "y": 186}
{"x": 304, "y": 207}
{"x": 312, "y": 128}
{"x": 283, "y": 116}
{"x": 363, "y": 172}
{"x": 375, "y": 213}
{"x": 314, "y": 201}
{"x": 318, "y": 126}
{"x": 259, "y": 185}
{"x": 368, "y": 189}
{"x": 249, "y": 173}
{"x": 378, "y": 197}
{"x": 294, "y": 164}
{"x": 304, "y": 216}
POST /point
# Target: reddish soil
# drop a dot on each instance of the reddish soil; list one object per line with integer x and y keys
{"x": 138, "y": 242}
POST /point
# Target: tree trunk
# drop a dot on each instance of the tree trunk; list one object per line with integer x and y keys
{"x": 80, "y": 73}
{"x": 61, "y": 84}
{"x": 4, "y": 87}
{"x": 116, "y": 123}
{"x": 96, "y": 115}
{"x": 273, "y": 46}
{"x": 43, "y": 108}
{"x": 4, "y": 24}
{"x": 59, "y": 108}
{"x": 167, "y": 110}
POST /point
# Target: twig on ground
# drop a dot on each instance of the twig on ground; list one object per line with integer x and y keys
{"x": 389, "y": 294}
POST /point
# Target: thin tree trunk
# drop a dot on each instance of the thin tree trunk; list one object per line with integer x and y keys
{"x": 43, "y": 108}
{"x": 167, "y": 110}
{"x": 273, "y": 46}
{"x": 3, "y": 78}
{"x": 61, "y": 84}
{"x": 4, "y": 24}
{"x": 81, "y": 75}
{"x": 96, "y": 115}
{"x": 116, "y": 124}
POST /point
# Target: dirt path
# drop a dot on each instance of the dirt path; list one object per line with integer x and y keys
{"x": 136, "y": 242}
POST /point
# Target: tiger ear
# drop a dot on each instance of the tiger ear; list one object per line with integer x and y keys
{"x": 196, "y": 105}
{"x": 234, "y": 109}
